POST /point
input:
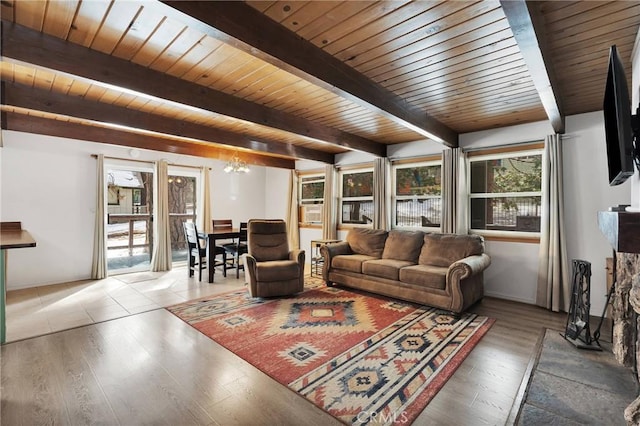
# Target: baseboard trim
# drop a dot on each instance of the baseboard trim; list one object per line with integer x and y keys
{"x": 508, "y": 297}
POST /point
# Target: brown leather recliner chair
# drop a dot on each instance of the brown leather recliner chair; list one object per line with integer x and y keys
{"x": 272, "y": 269}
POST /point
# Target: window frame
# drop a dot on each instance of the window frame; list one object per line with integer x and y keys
{"x": 320, "y": 177}
{"x": 395, "y": 197}
{"x": 498, "y": 153}
{"x": 342, "y": 199}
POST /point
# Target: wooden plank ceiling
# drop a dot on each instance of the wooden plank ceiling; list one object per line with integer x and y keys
{"x": 281, "y": 80}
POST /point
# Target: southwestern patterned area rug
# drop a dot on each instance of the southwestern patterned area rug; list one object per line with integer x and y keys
{"x": 351, "y": 354}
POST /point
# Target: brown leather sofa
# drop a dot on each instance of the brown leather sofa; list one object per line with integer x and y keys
{"x": 440, "y": 270}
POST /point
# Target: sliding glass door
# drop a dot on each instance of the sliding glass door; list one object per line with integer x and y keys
{"x": 184, "y": 190}
{"x": 130, "y": 193}
{"x": 129, "y": 189}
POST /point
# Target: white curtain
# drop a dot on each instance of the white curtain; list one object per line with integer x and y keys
{"x": 292, "y": 212}
{"x": 329, "y": 220}
{"x": 454, "y": 192}
{"x": 554, "y": 288}
{"x": 161, "y": 260}
{"x": 381, "y": 179}
{"x": 462, "y": 215}
{"x": 99, "y": 265}
{"x": 205, "y": 224}
{"x": 450, "y": 190}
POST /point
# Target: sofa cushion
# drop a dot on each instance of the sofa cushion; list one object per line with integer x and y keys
{"x": 367, "y": 241}
{"x": 403, "y": 245}
{"x": 350, "y": 262}
{"x": 267, "y": 240}
{"x": 277, "y": 270}
{"x": 444, "y": 249}
{"x": 425, "y": 275}
{"x": 384, "y": 268}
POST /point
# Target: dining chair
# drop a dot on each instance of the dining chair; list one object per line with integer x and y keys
{"x": 237, "y": 248}
{"x": 223, "y": 225}
{"x": 197, "y": 254}
{"x": 197, "y": 251}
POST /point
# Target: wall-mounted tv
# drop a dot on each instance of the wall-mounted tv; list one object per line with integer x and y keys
{"x": 619, "y": 124}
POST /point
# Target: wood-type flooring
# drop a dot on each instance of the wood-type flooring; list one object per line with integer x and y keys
{"x": 152, "y": 368}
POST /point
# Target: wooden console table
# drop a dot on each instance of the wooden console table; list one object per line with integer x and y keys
{"x": 12, "y": 236}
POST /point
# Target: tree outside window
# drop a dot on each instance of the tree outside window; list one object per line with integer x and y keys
{"x": 506, "y": 192}
{"x": 311, "y": 198}
{"x": 418, "y": 195}
{"x": 357, "y": 197}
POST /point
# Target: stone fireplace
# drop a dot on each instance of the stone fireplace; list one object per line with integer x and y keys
{"x": 622, "y": 229}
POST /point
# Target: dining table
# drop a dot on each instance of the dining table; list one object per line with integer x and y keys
{"x": 218, "y": 234}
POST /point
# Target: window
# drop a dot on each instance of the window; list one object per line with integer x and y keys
{"x": 417, "y": 194}
{"x": 311, "y": 198}
{"x": 356, "y": 201}
{"x": 506, "y": 192}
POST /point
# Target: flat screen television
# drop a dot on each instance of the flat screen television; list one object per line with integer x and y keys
{"x": 618, "y": 122}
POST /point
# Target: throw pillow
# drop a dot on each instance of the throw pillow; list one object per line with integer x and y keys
{"x": 444, "y": 249}
{"x": 367, "y": 241}
{"x": 403, "y": 245}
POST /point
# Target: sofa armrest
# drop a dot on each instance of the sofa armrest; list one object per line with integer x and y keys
{"x": 463, "y": 292}
{"x": 328, "y": 252}
{"x": 469, "y": 266}
{"x": 250, "y": 273}
{"x": 297, "y": 255}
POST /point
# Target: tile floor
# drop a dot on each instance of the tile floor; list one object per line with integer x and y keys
{"x": 41, "y": 310}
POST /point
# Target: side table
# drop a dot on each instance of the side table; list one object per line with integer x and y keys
{"x": 12, "y": 236}
{"x": 317, "y": 261}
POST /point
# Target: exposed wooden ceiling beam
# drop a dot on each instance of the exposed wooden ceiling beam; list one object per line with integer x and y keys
{"x": 33, "y": 47}
{"x": 75, "y": 106}
{"x": 72, "y": 130}
{"x": 243, "y": 27}
{"x": 525, "y": 22}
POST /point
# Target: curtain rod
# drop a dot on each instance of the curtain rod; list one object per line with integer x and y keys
{"x": 508, "y": 145}
{"x": 362, "y": 164}
{"x": 146, "y": 161}
{"x": 416, "y": 157}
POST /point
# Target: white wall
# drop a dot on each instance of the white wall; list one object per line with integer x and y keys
{"x": 276, "y": 196}
{"x": 48, "y": 184}
{"x": 414, "y": 149}
{"x": 586, "y": 192}
{"x": 513, "y": 271}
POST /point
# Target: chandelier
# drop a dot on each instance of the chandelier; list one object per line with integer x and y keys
{"x": 236, "y": 165}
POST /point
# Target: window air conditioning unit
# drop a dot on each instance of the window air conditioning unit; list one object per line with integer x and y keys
{"x": 311, "y": 213}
